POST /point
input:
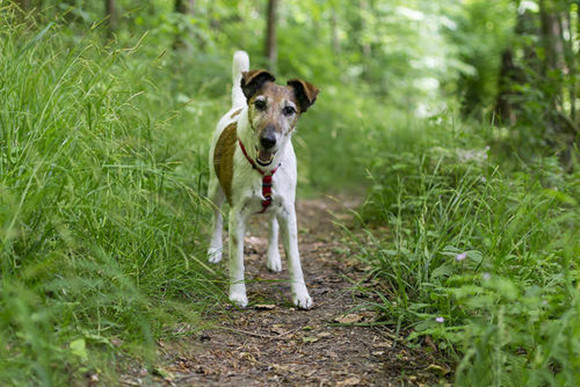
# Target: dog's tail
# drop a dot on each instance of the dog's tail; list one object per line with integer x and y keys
{"x": 241, "y": 63}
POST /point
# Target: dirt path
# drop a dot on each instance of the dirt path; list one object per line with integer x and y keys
{"x": 272, "y": 343}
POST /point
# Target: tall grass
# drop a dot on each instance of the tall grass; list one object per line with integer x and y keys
{"x": 100, "y": 210}
{"x": 483, "y": 258}
{"x": 102, "y": 161}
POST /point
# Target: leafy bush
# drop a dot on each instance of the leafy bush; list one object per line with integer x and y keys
{"x": 100, "y": 213}
{"x": 487, "y": 263}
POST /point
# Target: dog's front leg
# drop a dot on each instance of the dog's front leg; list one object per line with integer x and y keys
{"x": 288, "y": 228}
{"x": 237, "y": 225}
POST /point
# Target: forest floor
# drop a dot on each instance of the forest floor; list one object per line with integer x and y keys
{"x": 337, "y": 342}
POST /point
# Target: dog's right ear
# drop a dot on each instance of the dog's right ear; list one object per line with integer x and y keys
{"x": 253, "y": 81}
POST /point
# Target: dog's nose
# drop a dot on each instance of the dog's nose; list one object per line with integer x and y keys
{"x": 268, "y": 140}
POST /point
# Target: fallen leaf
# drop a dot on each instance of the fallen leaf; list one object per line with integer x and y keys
{"x": 278, "y": 328}
{"x": 430, "y": 343}
{"x": 309, "y": 339}
{"x": 93, "y": 378}
{"x": 265, "y": 306}
{"x": 351, "y": 381}
{"x": 348, "y": 319}
{"x": 165, "y": 374}
{"x": 384, "y": 344}
{"x": 437, "y": 369}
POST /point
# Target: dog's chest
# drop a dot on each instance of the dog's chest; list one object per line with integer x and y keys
{"x": 256, "y": 192}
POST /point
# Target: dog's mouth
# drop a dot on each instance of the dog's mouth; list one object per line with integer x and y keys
{"x": 264, "y": 158}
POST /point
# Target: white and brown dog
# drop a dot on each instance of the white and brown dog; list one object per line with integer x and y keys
{"x": 253, "y": 166}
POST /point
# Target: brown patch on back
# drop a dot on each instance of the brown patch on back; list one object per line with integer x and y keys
{"x": 236, "y": 113}
{"x": 223, "y": 158}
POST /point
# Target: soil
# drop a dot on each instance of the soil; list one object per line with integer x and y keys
{"x": 339, "y": 342}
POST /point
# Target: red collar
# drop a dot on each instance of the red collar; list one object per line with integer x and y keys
{"x": 266, "y": 179}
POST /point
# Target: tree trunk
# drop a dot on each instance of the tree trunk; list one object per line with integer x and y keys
{"x": 184, "y": 7}
{"x": 111, "y": 14}
{"x": 365, "y": 47}
{"x": 334, "y": 33}
{"x": 558, "y": 74}
{"x": 566, "y": 25}
{"x": 553, "y": 49}
{"x": 510, "y": 76}
{"x": 271, "y": 43}
{"x": 577, "y": 122}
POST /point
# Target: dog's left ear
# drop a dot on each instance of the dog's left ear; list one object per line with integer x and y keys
{"x": 305, "y": 93}
{"x": 253, "y": 81}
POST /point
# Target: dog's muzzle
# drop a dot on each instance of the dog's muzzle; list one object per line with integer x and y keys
{"x": 265, "y": 153}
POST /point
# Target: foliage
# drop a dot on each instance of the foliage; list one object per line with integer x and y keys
{"x": 100, "y": 207}
{"x": 485, "y": 262}
{"x": 471, "y": 228}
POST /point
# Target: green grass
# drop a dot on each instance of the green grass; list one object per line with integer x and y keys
{"x": 481, "y": 257}
{"x": 100, "y": 209}
{"x": 103, "y": 222}
{"x": 102, "y": 178}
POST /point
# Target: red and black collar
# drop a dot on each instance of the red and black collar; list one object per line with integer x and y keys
{"x": 266, "y": 179}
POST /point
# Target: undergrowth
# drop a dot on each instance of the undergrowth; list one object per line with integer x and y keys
{"x": 102, "y": 178}
{"x": 480, "y": 257}
{"x": 100, "y": 210}
{"x": 102, "y": 162}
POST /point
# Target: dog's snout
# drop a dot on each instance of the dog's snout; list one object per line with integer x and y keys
{"x": 268, "y": 141}
{"x": 268, "y": 138}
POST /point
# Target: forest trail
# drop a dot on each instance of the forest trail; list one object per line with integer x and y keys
{"x": 272, "y": 343}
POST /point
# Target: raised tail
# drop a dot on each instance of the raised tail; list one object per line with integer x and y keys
{"x": 241, "y": 63}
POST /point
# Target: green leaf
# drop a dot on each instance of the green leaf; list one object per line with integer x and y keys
{"x": 79, "y": 348}
{"x": 442, "y": 271}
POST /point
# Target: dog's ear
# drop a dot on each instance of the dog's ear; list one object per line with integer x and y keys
{"x": 305, "y": 93}
{"x": 252, "y": 81}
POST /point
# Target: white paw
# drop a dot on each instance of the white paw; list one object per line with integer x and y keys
{"x": 274, "y": 262}
{"x": 303, "y": 300}
{"x": 240, "y": 299}
{"x": 215, "y": 254}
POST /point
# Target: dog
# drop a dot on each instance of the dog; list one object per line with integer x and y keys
{"x": 253, "y": 167}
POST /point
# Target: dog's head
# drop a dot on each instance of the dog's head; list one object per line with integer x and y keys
{"x": 273, "y": 110}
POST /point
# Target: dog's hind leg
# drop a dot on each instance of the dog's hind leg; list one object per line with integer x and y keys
{"x": 216, "y": 195}
{"x": 236, "y": 233}
{"x": 274, "y": 261}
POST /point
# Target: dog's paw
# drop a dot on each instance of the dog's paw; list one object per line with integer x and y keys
{"x": 303, "y": 300}
{"x": 274, "y": 262}
{"x": 239, "y": 299}
{"x": 214, "y": 254}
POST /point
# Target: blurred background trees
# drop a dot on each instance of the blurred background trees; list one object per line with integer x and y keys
{"x": 511, "y": 62}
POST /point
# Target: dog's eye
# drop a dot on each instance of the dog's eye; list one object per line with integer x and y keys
{"x": 260, "y": 104}
{"x": 288, "y": 111}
